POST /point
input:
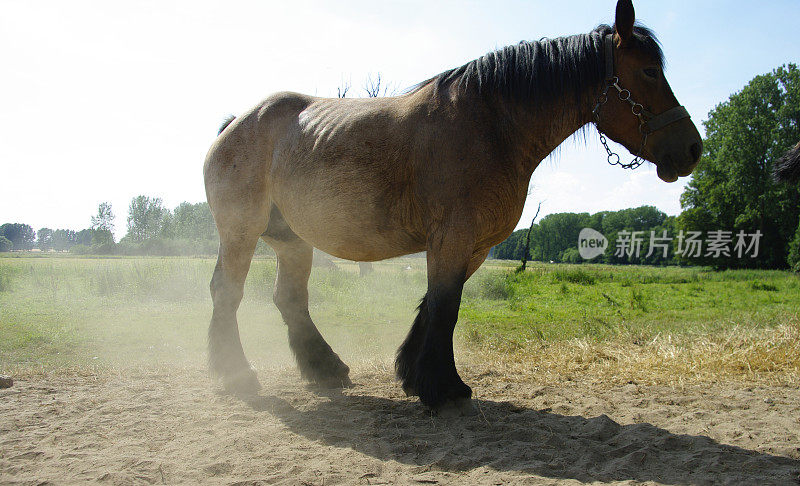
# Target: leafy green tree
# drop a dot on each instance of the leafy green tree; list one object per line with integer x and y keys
{"x": 794, "y": 251}
{"x": 63, "y": 240}
{"x": 732, "y": 188}
{"x": 20, "y": 235}
{"x": 84, "y": 237}
{"x": 5, "y": 244}
{"x": 167, "y": 225}
{"x": 556, "y": 233}
{"x": 193, "y": 222}
{"x": 571, "y": 255}
{"x": 630, "y": 233}
{"x": 103, "y": 225}
{"x": 511, "y": 248}
{"x": 104, "y": 219}
{"x": 102, "y": 237}
{"x": 145, "y": 218}
{"x": 44, "y": 239}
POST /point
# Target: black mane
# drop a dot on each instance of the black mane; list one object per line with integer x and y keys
{"x": 544, "y": 70}
{"x": 787, "y": 169}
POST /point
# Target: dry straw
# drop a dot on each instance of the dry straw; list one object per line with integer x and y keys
{"x": 741, "y": 353}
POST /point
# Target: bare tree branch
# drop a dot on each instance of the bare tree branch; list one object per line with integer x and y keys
{"x": 373, "y": 86}
{"x": 341, "y": 91}
{"x": 526, "y": 252}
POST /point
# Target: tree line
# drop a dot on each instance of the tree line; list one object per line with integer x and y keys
{"x": 555, "y": 237}
{"x": 152, "y": 229}
{"x": 22, "y": 237}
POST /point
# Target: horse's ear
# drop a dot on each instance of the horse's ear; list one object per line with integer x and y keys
{"x": 623, "y": 23}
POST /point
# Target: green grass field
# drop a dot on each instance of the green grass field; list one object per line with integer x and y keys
{"x": 553, "y": 302}
{"x": 61, "y": 311}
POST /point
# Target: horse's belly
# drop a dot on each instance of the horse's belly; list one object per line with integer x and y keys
{"x": 350, "y": 228}
{"x": 365, "y": 242}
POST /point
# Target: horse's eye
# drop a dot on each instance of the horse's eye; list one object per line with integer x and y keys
{"x": 651, "y": 72}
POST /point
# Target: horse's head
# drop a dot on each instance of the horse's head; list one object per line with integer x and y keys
{"x": 641, "y": 112}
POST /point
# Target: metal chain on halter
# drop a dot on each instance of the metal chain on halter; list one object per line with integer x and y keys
{"x": 636, "y": 108}
{"x": 648, "y": 122}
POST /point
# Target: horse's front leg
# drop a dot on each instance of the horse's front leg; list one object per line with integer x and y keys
{"x": 432, "y": 374}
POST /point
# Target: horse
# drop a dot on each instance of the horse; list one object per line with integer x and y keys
{"x": 787, "y": 168}
{"x": 442, "y": 168}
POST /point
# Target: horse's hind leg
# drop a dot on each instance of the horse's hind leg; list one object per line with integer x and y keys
{"x": 315, "y": 358}
{"x": 226, "y": 356}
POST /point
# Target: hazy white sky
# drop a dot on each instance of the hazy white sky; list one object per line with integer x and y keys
{"x": 103, "y": 101}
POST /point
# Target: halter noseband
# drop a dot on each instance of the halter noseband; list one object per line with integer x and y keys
{"x": 648, "y": 122}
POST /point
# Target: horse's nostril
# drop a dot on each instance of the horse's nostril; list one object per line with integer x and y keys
{"x": 696, "y": 149}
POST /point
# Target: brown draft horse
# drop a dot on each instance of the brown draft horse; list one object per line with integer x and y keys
{"x": 443, "y": 168}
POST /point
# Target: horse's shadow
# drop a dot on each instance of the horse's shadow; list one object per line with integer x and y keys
{"x": 509, "y": 438}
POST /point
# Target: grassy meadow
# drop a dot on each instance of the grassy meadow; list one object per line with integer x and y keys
{"x": 607, "y": 321}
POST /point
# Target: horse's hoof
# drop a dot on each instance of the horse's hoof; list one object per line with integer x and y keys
{"x": 328, "y": 373}
{"x": 334, "y": 382}
{"x": 243, "y": 382}
{"x": 458, "y": 407}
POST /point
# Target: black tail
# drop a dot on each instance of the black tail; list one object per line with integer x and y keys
{"x": 787, "y": 169}
{"x": 225, "y": 123}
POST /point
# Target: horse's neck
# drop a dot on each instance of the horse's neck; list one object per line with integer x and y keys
{"x": 535, "y": 133}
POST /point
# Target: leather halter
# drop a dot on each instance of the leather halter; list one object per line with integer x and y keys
{"x": 648, "y": 122}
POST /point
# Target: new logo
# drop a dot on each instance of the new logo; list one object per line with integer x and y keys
{"x": 591, "y": 243}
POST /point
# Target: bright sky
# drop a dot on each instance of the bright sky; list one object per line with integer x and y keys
{"x": 103, "y": 101}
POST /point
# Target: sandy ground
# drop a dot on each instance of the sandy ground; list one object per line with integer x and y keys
{"x": 171, "y": 427}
